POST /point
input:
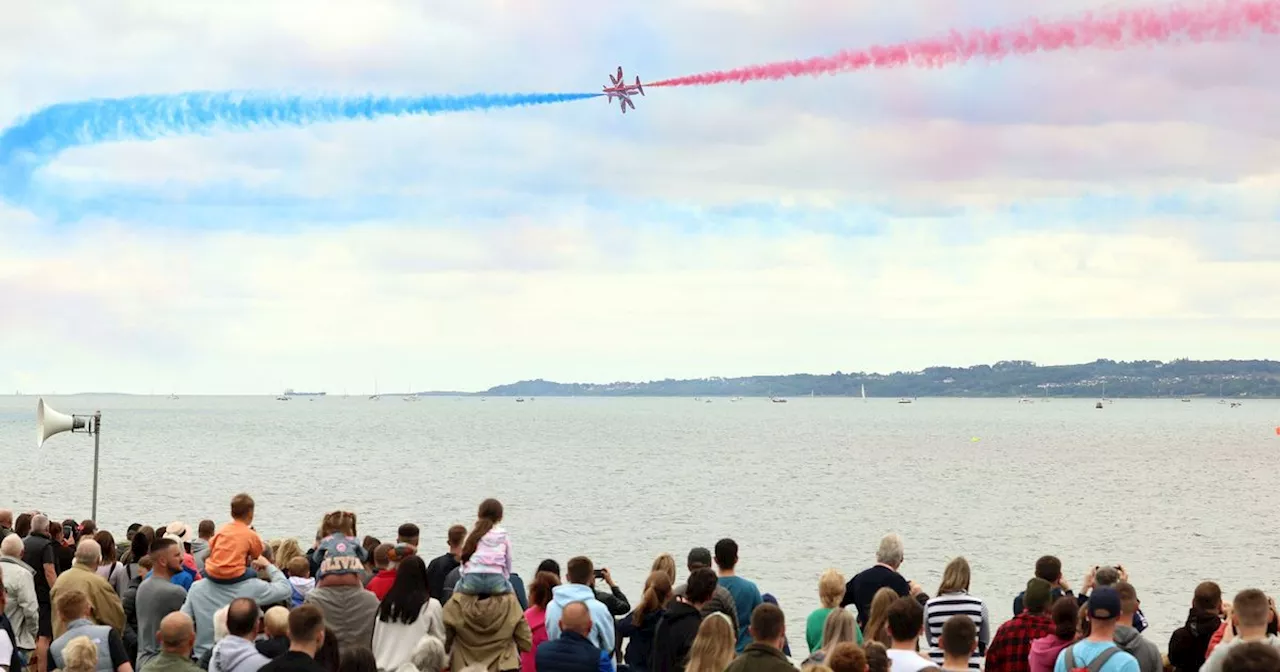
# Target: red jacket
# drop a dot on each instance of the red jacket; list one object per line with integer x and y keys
{"x": 381, "y": 583}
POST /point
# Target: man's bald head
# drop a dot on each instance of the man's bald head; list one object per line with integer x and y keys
{"x": 11, "y": 546}
{"x": 177, "y": 634}
{"x": 243, "y": 616}
{"x": 576, "y": 617}
{"x": 6, "y": 517}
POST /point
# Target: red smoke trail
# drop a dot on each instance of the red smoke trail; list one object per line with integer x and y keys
{"x": 1126, "y": 28}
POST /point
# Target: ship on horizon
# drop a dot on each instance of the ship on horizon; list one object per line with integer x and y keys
{"x": 291, "y": 393}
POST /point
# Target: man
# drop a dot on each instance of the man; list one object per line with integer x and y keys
{"x": 83, "y": 577}
{"x": 573, "y": 651}
{"x": 20, "y": 607}
{"x": 678, "y": 627}
{"x": 207, "y": 597}
{"x": 440, "y": 567}
{"x": 37, "y": 552}
{"x": 408, "y": 534}
{"x": 722, "y": 600}
{"x": 306, "y": 636}
{"x": 1011, "y": 646}
{"x": 177, "y": 635}
{"x": 884, "y": 574}
{"x": 613, "y": 599}
{"x": 200, "y": 547}
{"x": 768, "y": 633}
{"x": 746, "y": 596}
{"x": 1099, "y": 652}
{"x": 73, "y": 608}
{"x": 1250, "y": 612}
{"x": 579, "y": 573}
{"x": 847, "y": 657}
{"x": 958, "y": 641}
{"x": 236, "y": 652}
{"x": 1188, "y": 644}
{"x": 6, "y": 523}
{"x": 1108, "y": 577}
{"x": 64, "y": 547}
{"x": 157, "y": 597}
{"x": 905, "y": 622}
{"x": 350, "y": 609}
{"x": 1128, "y": 638}
{"x": 1252, "y": 657}
{"x": 1048, "y": 568}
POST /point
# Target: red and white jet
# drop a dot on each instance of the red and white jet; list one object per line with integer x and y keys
{"x": 622, "y": 91}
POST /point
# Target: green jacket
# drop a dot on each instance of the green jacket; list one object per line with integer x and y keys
{"x": 170, "y": 662}
{"x": 759, "y": 657}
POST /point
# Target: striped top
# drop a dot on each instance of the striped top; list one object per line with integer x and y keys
{"x": 936, "y": 612}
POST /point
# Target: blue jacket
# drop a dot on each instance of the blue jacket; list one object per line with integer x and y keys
{"x": 572, "y": 653}
{"x": 601, "y": 619}
{"x": 641, "y": 646}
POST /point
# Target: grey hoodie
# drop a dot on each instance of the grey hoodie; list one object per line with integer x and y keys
{"x": 1132, "y": 641}
{"x": 199, "y": 552}
{"x": 236, "y": 654}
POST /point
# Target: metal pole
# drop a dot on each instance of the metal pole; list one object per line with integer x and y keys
{"x": 97, "y": 419}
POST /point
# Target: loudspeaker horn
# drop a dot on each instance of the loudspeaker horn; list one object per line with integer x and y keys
{"x": 50, "y": 422}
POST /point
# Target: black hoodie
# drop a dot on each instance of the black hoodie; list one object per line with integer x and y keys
{"x": 674, "y": 637}
{"x": 1188, "y": 644}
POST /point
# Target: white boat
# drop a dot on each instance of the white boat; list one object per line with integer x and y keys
{"x": 1026, "y": 400}
{"x": 904, "y": 400}
{"x": 375, "y": 396}
{"x": 778, "y": 400}
{"x": 282, "y": 398}
{"x": 411, "y": 396}
{"x": 864, "y": 392}
{"x": 519, "y": 400}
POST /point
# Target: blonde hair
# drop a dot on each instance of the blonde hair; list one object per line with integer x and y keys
{"x": 713, "y": 648}
{"x": 276, "y": 621}
{"x": 831, "y": 589}
{"x": 955, "y": 578}
{"x": 80, "y": 655}
{"x": 667, "y": 565}
{"x": 657, "y": 590}
{"x": 840, "y": 627}
{"x": 286, "y": 550}
{"x": 879, "y": 618}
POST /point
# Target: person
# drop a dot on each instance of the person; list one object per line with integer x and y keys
{"x": 746, "y": 596}
{"x": 200, "y": 545}
{"x": 1045, "y": 650}
{"x": 884, "y": 574}
{"x": 300, "y": 579}
{"x": 722, "y": 600}
{"x": 906, "y": 623}
{"x": 350, "y": 610}
{"x": 486, "y": 554}
{"x": 487, "y": 630}
{"x": 428, "y": 656}
{"x": 613, "y": 599}
{"x": 11, "y": 659}
{"x": 1012, "y": 644}
{"x": 1108, "y": 577}
{"x": 83, "y": 577}
{"x": 1188, "y": 644}
{"x": 37, "y": 552}
{"x": 408, "y": 533}
{"x": 958, "y": 642}
{"x": 1252, "y": 657}
{"x": 75, "y": 610}
{"x": 139, "y": 549}
{"x": 666, "y": 564}
{"x": 1049, "y": 568}
{"x": 64, "y": 545}
{"x": 639, "y": 626}
{"x": 306, "y": 636}
{"x": 396, "y": 556}
{"x": 573, "y": 651}
{"x": 329, "y": 656}
{"x": 1098, "y": 651}
{"x": 1128, "y": 638}
{"x": 764, "y": 652}
{"x": 157, "y": 597}
{"x": 406, "y": 614}
{"x": 440, "y": 567}
{"x": 379, "y": 562}
{"x": 849, "y": 657}
{"x": 206, "y": 597}
{"x": 877, "y": 656}
{"x": 580, "y": 573}
{"x": 830, "y": 591}
{"x": 233, "y": 548}
{"x": 840, "y": 627}
{"x": 953, "y": 599}
{"x": 713, "y": 647}
{"x": 1250, "y": 613}
{"x": 679, "y": 626}
{"x": 275, "y": 625}
{"x": 111, "y": 568}
{"x": 786, "y": 644}
{"x": 20, "y": 606}
{"x": 544, "y": 583}
{"x": 236, "y": 652}
{"x": 358, "y": 659}
{"x": 6, "y": 524}
{"x": 177, "y": 635}
{"x": 877, "y": 628}
{"x": 130, "y": 603}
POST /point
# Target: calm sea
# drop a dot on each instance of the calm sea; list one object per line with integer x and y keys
{"x": 1177, "y": 492}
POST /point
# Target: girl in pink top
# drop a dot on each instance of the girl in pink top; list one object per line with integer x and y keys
{"x": 536, "y": 615}
{"x": 486, "y": 554}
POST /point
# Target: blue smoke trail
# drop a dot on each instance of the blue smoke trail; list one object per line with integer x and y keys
{"x": 36, "y": 139}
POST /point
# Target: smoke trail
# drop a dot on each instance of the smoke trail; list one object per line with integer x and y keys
{"x": 39, "y": 137}
{"x": 1121, "y": 29}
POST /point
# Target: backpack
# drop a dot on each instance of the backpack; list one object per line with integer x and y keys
{"x": 1094, "y": 665}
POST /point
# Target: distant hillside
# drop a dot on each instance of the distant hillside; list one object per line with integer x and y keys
{"x": 1179, "y": 378}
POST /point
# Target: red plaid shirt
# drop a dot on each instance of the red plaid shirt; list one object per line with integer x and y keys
{"x": 1011, "y": 647}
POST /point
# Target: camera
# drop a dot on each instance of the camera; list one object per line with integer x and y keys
{"x": 599, "y": 573}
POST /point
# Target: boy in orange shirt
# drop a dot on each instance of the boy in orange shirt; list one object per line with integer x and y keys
{"x": 235, "y": 546}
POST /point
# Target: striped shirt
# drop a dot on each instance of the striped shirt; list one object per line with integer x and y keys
{"x": 936, "y": 612}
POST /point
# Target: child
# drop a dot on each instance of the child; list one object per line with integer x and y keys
{"x": 338, "y": 536}
{"x": 486, "y": 554}
{"x": 300, "y": 578}
{"x": 235, "y": 546}
{"x": 276, "y": 627}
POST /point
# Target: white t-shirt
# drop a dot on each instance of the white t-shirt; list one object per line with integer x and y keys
{"x": 6, "y": 651}
{"x": 907, "y": 661}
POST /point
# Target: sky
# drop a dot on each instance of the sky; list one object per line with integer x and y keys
{"x": 1055, "y": 207}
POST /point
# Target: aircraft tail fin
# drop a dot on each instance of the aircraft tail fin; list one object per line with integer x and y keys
{"x": 639, "y": 87}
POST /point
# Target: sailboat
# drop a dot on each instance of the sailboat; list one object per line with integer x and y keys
{"x": 411, "y": 396}
{"x": 1221, "y": 399}
{"x": 864, "y": 392}
{"x": 375, "y": 396}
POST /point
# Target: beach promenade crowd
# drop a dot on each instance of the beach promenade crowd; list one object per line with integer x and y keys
{"x": 218, "y": 597}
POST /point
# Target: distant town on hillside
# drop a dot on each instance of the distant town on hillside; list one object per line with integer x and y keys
{"x": 1104, "y": 377}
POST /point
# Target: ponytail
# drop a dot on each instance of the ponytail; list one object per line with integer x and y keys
{"x": 489, "y": 515}
{"x": 657, "y": 591}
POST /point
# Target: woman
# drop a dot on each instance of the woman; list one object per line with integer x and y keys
{"x": 487, "y": 630}
{"x": 841, "y": 627}
{"x": 406, "y": 614}
{"x": 1044, "y": 651}
{"x": 138, "y": 549}
{"x": 953, "y": 599}
{"x": 287, "y": 551}
{"x": 329, "y": 655}
{"x": 712, "y": 649}
{"x": 536, "y": 615}
{"x": 830, "y": 593}
{"x": 428, "y": 656}
{"x": 358, "y": 659}
{"x": 111, "y": 568}
{"x": 878, "y": 620}
{"x": 640, "y": 625}
{"x": 667, "y": 565}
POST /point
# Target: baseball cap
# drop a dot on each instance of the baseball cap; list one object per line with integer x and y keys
{"x": 1104, "y": 604}
{"x": 699, "y": 557}
{"x": 180, "y": 530}
{"x": 343, "y": 557}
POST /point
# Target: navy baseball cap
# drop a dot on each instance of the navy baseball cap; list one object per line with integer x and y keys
{"x": 1104, "y": 604}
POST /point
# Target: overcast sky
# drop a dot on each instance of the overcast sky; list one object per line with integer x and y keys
{"x": 1058, "y": 208}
